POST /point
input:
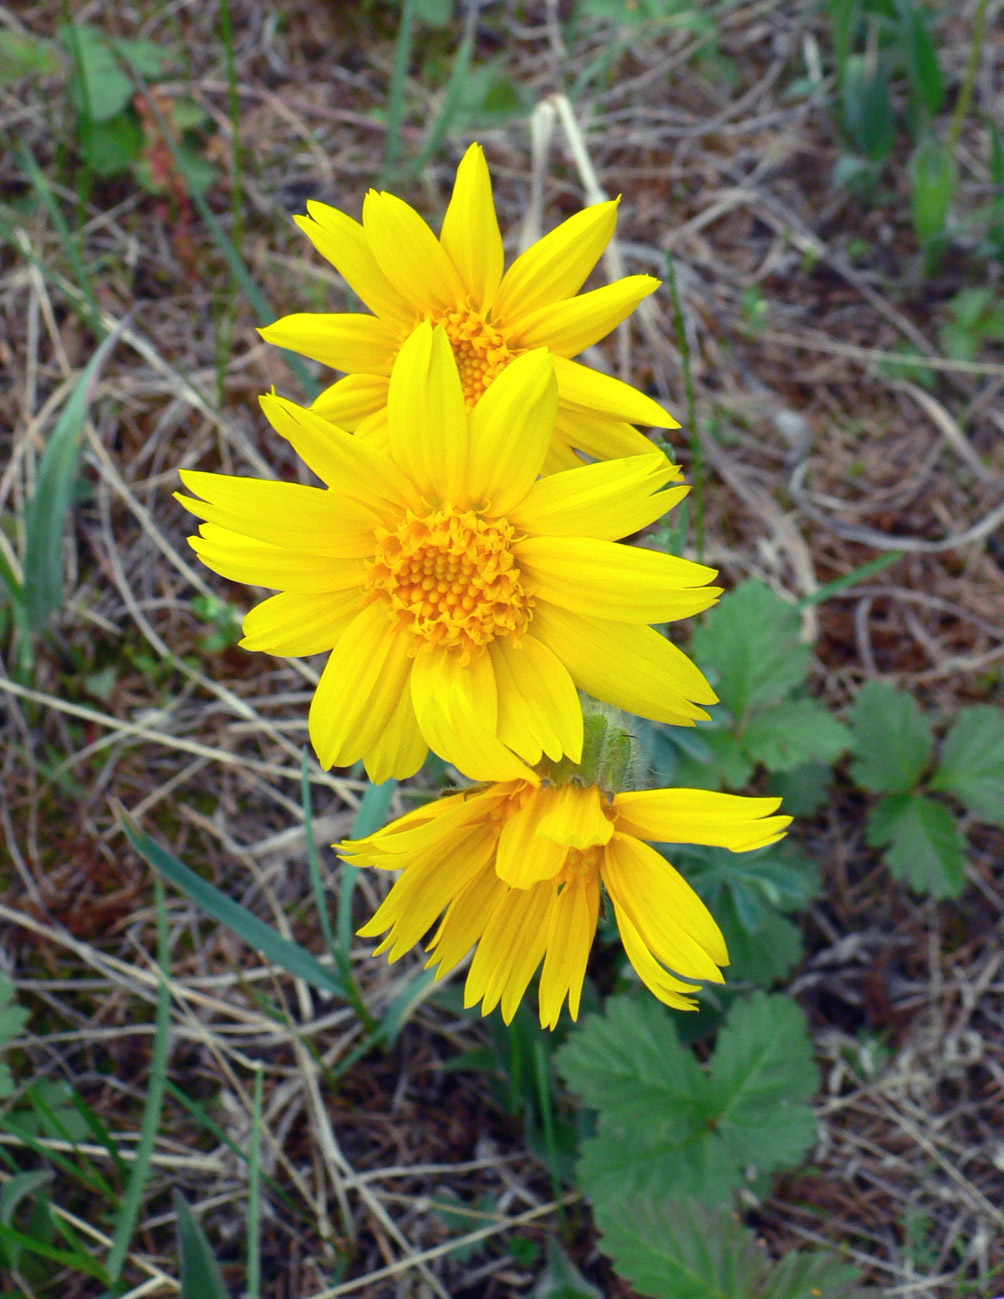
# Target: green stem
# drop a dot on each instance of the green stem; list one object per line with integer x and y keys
{"x": 969, "y": 79}
{"x": 696, "y": 459}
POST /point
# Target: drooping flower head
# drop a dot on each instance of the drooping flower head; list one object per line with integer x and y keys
{"x": 462, "y": 600}
{"x": 405, "y": 275}
{"x": 515, "y": 870}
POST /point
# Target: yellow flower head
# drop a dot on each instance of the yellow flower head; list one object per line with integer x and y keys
{"x": 462, "y": 600}
{"x": 405, "y": 275}
{"x": 517, "y": 869}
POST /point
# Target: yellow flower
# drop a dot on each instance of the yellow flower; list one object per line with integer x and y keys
{"x": 517, "y": 869}
{"x": 462, "y": 600}
{"x": 404, "y": 274}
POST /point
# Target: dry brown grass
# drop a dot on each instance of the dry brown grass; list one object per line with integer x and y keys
{"x": 815, "y": 459}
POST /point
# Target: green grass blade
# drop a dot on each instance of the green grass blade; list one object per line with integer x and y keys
{"x": 79, "y": 1262}
{"x": 200, "y": 1273}
{"x": 71, "y": 245}
{"x": 395, "y": 96}
{"x": 241, "y": 275}
{"x": 254, "y": 1187}
{"x": 125, "y": 1221}
{"x": 45, "y": 516}
{"x": 370, "y": 817}
{"x": 838, "y": 584}
{"x": 296, "y": 960}
{"x": 448, "y": 108}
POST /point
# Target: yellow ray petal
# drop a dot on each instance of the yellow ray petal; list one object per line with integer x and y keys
{"x": 359, "y": 689}
{"x": 457, "y": 710}
{"x": 410, "y": 255}
{"x": 531, "y": 944}
{"x": 624, "y": 583}
{"x": 465, "y": 920}
{"x": 601, "y": 436}
{"x": 399, "y": 749}
{"x": 556, "y": 266}
{"x": 351, "y": 342}
{"x": 560, "y": 455}
{"x": 426, "y": 888}
{"x": 700, "y": 816}
{"x": 576, "y": 817}
{"x": 523, "y": 857}
{"x": 603, "y": 395}
{"x": 470, "y": 232}
{"x": 260, "y": 564}
{"x": 343, "y": 242}
{"x": 539, "y": 708}
{"x": 351, "y": 399}
{"x": 288, "y": 515}
{"x": 609, "y": 500}
{"x": 510, "y": 432}
{"x": 426, "y": 416}
{"x": 351, "y": 467}
{"x": 570, "y": 326}
{"x": 571, "y": 928}
{"x": 660, "y": 984}
{"x": 292, "y": 624}
{"x": 631, "y": 667}
{"x": 671, "y": 919}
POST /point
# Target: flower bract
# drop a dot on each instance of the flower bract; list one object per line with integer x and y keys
{"x": 514, "y": 870}
{"x": 405, "y": 275}
{"x": 463, "y": 599}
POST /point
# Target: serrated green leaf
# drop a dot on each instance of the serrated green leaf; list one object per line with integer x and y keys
{"x": 795, "y": 732}
{"x": 804, "y": 790}
{"x": 610, "y": 1079}
{"x": 891, "y": 739}
{"x": 761, "y": 1074}
{"x": 972, "y": 762}
{"x": 750, "y": 639}
{"x": 762, "y": 957}
{"x": 924, "y": 845}
{"x": 724, "y": 762}
{"x": 200, "y": 1273}
{"x": 664, "y": 1125}
{"x": 678, "y": 1249}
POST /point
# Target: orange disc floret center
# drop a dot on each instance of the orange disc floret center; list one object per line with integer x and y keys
{"x": 479, "y": 349}
{"x": 449, "y": 576}
{"x": 582, "y": 865}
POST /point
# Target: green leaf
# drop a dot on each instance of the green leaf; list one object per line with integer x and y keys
{"x": 678, "y": 1249}
{"x": 920, "y": 57}
{"x": 793, "y": 733}
{"x": 804, "y": 790}
{"x": 667, "y": 1126}
{"x": 45, "y": 515}
{"x": 436, "y": 13}
{"x": 972, "y": 762}
{"x": 99, "y": 89}
{"x": 924, "y": 846}
{"x": 25, "y": 55}
{"x": 200, "y": 1273}
{"x": 293, "y": 958}
{"x": 931, "y": 169}
{"x": 764, "y": 956}
{"x": 113, "y": 146}
{"x": 750, "y": 639}
{"x": 892, "y": 739}
{"x": 867, "y": 112}
{"x": 724, "y": 762}
{"x": 561, "y": 1279}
